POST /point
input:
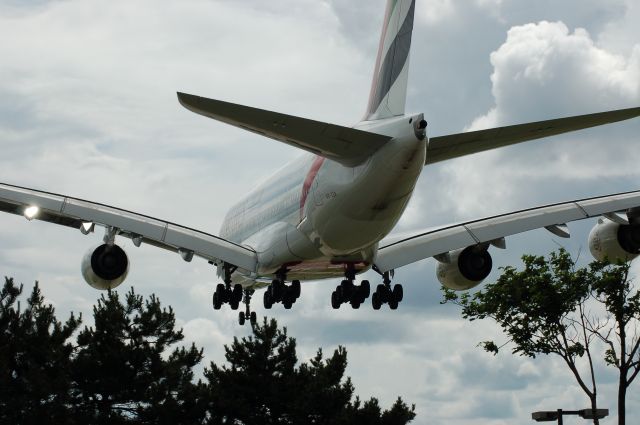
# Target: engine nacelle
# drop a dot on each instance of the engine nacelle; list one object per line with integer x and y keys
{"x": 464, "y": 268}
{"x": 614, "y": 241}
{"x": 105, "y": 266}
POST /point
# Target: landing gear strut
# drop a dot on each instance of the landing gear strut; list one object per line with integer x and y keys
{"x": 247, "y": 314}
{"x": 348, "y": 292}
{"x": 280, "y": 292}
{"x": 225, "y": 292}
{"x": 385, "y": 294}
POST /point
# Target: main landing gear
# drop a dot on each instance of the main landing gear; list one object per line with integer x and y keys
{"x": 385, "y": 294}
{"x": 280, "y": 292}
{"x": 348, "y": 292}
{"x": 225, "y": 293}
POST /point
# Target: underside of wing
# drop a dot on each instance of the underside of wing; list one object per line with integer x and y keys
{"x": 437, "y": 242}
{"x": 342, "y": 144}
{"x": 455, "y": 145}
{"x": 83, "y": 215}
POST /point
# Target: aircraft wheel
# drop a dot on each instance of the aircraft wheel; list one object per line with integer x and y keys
{"x": 295, "y": 287}
{"x": 267, "y": 300}
{"x": 287, "y": 304}
{"x": 277, "y": 290}
{"x": 398, "y": 293}
{"x": 221, "y": 291}
{"x": 241, "y": 318}
{"x": 335, "y": 300}
{"x": 381, "y": 290}
{"x": 375, "y": 301}
{"x": 234, "y": 305}
{"x": 253, "y": 318}
{"x": 236, "y": 294}
{"x": 355, "y": 303}
{"x": 393, "y": 304}
{"x": 216, "y": 301}
{"x": 365, "y": 289}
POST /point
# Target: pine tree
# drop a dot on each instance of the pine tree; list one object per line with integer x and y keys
{"x": 122, "y": 373}
{"x": 35, "y": 359}
{"x": 262, "y": 385}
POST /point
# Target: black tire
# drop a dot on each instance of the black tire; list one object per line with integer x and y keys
{"x": 221, "y": 290}
{"x": 253, "y": 318}
{"x": 365, "y": 289}
{"x": 216, "y": 301}
{"x": 393, "y": 304}
{"x": 236, "y": 294}
{"x": 375, "y": 301}
{"x": 355, "y": 303}
{"x": 241, "y": 318}
{"x": 382, "y": 290}
{"x": 277, "y": 290}
{"x": 267, "y": 300}
{"x": 335, "y": 301}
{"x": 295, "y": 288}
{"x": 287, "y": 304}
{"x": 398, "y": 293}
{"x": 234, "y": 305}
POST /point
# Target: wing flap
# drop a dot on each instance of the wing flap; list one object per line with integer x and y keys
{"x": 342, "y": 144}
{"x": 438, "y": 241}
{"x": 455, "y": 145}
{"x": 72, "y": 212}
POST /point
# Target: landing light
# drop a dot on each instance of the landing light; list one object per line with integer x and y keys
{"x": 31, "y": 212}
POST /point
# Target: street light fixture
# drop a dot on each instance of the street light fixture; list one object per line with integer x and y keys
{"x": 553, "y": 415}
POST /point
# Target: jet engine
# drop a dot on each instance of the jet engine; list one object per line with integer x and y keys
{"x": 614, "y": 241}
{"x": 105, "y": 266}
{"x": 464, "y": 268}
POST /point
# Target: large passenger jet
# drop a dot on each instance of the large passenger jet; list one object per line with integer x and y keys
{"x": 325, "y": 216}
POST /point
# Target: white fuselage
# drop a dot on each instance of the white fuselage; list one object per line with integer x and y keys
{"x": 315, "y": 217}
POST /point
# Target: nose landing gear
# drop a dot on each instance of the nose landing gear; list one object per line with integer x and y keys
{"x": 247, "y": 314}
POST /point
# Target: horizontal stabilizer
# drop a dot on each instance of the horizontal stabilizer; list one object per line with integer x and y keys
{"x": 456, "y": 145}
{"x": 342, "y": 144}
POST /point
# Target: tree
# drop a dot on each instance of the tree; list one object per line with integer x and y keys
{"x": 552, "y": 307}
{"x": 35, "y": 359}
{"x": 122, "y": 373}
{"x": 262, "y": 385}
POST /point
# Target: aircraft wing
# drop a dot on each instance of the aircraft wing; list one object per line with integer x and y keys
{"x": 448, "y": 238}
{"x": 83, "y": 215}
{"x": 345, "y": 145}
{"x": 452, "y": 146}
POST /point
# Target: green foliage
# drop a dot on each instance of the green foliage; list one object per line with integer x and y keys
{"x": 130, "y": 368}
{"x": 262, "y": 385}
{"x": 120, "y": 369}
{"x": 533, "y": 306}
{"x": 35, "y": 359}
{"x": 548, "y": 308}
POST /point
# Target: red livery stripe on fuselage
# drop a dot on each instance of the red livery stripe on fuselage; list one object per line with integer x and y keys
{"x": 308, "y": 181}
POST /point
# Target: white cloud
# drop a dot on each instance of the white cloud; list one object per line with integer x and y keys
{"x": 88, "y": 108}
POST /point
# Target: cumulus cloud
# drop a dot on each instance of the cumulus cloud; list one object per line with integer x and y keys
{"x": 88, "y": 108}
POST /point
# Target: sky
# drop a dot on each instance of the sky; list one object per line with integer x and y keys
{"x": 88, "y": 108}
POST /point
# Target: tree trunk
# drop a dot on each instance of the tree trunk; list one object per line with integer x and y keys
{"x": 594, "y": 406}
{"x": 622, "y": 395}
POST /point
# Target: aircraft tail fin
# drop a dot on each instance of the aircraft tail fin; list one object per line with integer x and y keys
{"x": 389, "y": 86}
{"x": 348, "y": 146}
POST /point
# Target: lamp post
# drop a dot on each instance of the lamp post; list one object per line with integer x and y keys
{"x": 553, "y": 415}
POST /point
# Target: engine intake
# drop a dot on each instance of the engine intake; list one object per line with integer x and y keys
{"x": 613, "y": 241}
{"x": 464, "y": 268}
{"x": 105, "y": 267}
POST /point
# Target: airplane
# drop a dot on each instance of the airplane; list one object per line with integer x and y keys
{"x": 328, "y": 214}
